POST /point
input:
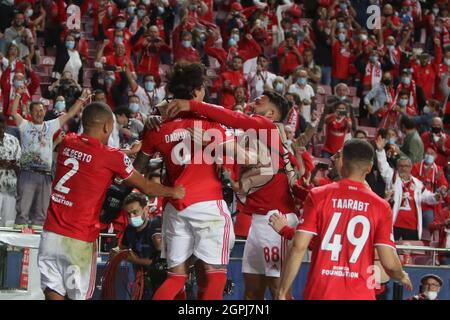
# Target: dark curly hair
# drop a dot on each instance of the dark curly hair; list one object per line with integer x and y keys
{"x": 185, "y": 78}
{"x": 279, "y": 101}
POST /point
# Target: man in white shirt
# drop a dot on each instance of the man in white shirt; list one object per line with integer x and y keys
{"x": 261, "y": 79}
{"x": 304, "y": 91}
{"x": 9, "y": 167}
{"x": 34, "y": 183}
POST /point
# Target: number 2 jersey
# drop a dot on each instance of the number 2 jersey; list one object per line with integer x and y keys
{"x": 349, "y": 220}
{"x": 85, "y": 169}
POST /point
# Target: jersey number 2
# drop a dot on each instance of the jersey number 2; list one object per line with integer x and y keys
{"x": 60, "y": 185}
{"x": 336, "y": 246}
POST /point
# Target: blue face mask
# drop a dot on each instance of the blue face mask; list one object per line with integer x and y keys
{"x": 134, "y": 107}
{"x": 236, "y": 37}
{"x": 343, "y": 6}
{"x": 429, "y": 159}
{"x": 149, "y": 86}
{"x": 391, "y": 47}
{"x": 392, "y": 140}
{"x": 130, "y": 10}
{"x": 161, "y": 10}
{"x": 342, "y": 37}
{"x": 18, "y": 83}
{"x": 186, "y": 43}
{"x": 110, "y": 79}
{"x": 403, "y": 102}
{"x": 301, "y": 81}
{"x": 374, "y": 59}
{"x": 136, "y": 221}
{"x": 340, "y": 25}
{"x": 70, "y": 45}
{"x": 232, "y": 42}
{"x": 141, "y": 13}
{"x": 435, "y": 11}
{"x": 279, "y": 87}
{"x": 437, "y": 29}
{"x": 406, "y": 81}
{"x": 447, "y": 62}
{"x": 121, "y": 25}
{"x": 60, "y": 106}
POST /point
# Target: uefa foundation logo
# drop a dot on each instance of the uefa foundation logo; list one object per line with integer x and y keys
{"x": 212, "y": 146}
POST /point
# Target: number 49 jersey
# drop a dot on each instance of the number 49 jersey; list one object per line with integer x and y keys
{"x": 85, "y": 169}
{"x": 349, "y": 220}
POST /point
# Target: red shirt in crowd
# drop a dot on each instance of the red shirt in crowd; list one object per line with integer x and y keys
{"x": 234, "y": 79}
{"x": 335, "y": 133}
{"x": 85, "y": 169}
{"x": 432, "y": 178}
{"x": 407, "y": 213}
{"x": 151, "y": 55}
{"x": 349, "y": 221}
{"x": 340, "y": 56}
{"x": 291, "y": 61}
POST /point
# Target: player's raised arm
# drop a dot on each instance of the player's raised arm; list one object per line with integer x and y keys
{"x": 292, "y": 266}
{"x": 154, "y": 189}
{"x": 391, "y": 263}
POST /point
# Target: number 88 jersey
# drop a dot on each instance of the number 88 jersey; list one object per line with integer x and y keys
{"x": 349, "y": 221}
{"x": 85, "y": 169}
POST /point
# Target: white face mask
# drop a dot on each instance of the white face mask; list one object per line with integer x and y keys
{"x": 431, "y": 295}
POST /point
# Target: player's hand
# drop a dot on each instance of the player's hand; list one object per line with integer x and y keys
{"x": 380, "y": 143}
{"x": 406, "y": 281}
{"x": 177, "y": 106}
{"x": 178, "y": 192}
{"x": 85, "y": 94}
{"x": 153, "y": 122}
{"x": 278, "y": 222}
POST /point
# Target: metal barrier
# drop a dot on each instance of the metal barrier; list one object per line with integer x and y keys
{"x": 241, "y": 241}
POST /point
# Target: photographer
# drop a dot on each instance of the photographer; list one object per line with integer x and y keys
{"x": 151, "y": 47}
{"x": 143, "y": 238}
{"x": 337, "y": 126}
{"x": 67, "y": 87}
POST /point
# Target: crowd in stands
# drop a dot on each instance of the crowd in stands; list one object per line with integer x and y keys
{"x": 343, "y": 78}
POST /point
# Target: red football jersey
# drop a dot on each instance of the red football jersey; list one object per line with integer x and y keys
{"x": 85, "y": 169}
{"x": 199, "y": 178}
{"x": 349, "y": 220}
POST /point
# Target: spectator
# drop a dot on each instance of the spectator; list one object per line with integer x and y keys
{"x": 279, "y": 85}
{"x": 378, "y": 97}
{"x": 295, "y": 118}
{"x": 229, "y": 80}
{"x": 152, "y": 47}
{"x": 341, "y": 55}
{"x": 143, "y": 237}
{"x": 441, "y": 225}
{"x": 150, "y": 95}
{"x": 425, "y": 120}
{"x": 27, "y": 79}
{"x": 406, "y": 194}
{"x": 113, "y": 88}
{"x": 416, "y": 99}
{"x": 34, "y": 183}
{"x": 337, "y": 126}
{"x": 10, "y": 154}
{"x": 341, "y": 94}
{"x": 304, "y": 91}
{"x": 430, "y": 285}
{"x": 67, "y": 87}
{"x": 289, "y": 55}
{"x": 260, "y": 80}
{"x": 313, "y": 70}
{"x": 59, "y": 107}
{"x": 433, "y": 178}
{"x": 130, "y": 128}
{"x": 182, "y": 46}
{"x": 68, "y": 59}
{"x": 412, "y": 147}
{"x": 439, "y": 141}
{"x": 20, "y": 35}
{"x": 424, "y": 73}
